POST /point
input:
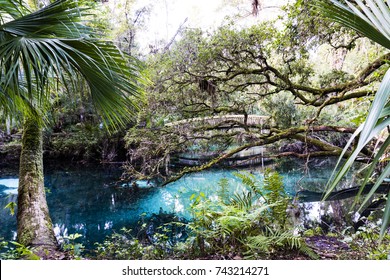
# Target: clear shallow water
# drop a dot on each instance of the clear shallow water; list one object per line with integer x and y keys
{"x": 87, "y": 200}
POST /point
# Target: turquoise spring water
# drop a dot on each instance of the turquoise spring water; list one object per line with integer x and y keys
{"x": 89, "y": 202}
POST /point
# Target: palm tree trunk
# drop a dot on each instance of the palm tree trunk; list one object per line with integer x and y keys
{"x": 34, "y": 223}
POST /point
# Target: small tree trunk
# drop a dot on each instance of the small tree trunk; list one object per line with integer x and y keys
{"x": 8, "y": 126}
{"x": 34, "y": 223}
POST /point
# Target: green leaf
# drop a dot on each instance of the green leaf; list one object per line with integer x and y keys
{"x": 372, "y": 165}
{"x": 11, "y": 8}
{"x": 353, "y": 18}
{"x": 385, "y": 173}
{"x": 11, "y": 206}
{"x": 74, "y": 236}
{"x": 16, "y": 244}
{"x": 386, "y": 218}
{"x": 372, "y": 19}
{"x": 53, "y": 43}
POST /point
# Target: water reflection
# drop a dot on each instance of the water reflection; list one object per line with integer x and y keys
{"x": 7, "y": 221}
{"x": 85, "y": 201}
{"x": 9, "y": 185}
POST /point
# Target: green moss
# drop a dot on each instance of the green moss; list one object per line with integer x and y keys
{"x": 34, "y": 223}
{"x": 309, "y": 233}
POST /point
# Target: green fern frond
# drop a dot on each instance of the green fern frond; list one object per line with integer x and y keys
{"x": 308, "y": 251}
{"x": 242, "y": 201}
{"x": 272, "y": 240}
{"x": 249, "y": 181}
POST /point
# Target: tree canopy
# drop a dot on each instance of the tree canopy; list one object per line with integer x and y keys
{"x": 268, "y": 69}
{"x": 311, "y": 83}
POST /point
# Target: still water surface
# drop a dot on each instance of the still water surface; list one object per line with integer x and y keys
{"x": 88, "y": 201}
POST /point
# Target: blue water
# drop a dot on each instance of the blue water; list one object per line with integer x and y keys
{"x": 91, "y": 202}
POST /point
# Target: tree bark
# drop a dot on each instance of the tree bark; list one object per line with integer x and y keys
{"x": 34, "y": 223}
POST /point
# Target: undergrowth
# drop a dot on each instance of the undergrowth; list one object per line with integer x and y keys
{"x": 250, "y": 224}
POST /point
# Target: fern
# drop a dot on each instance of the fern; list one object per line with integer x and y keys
{"x": 272, "y": 240}
{"x": 258, "y": 243}
{"x": 233, "y": 224}
{"x": 223, "y": 191}
{"x": 249, "y": 181}
{"x": 305, "y": 249}
{"x": 253, "y": 221}
{"x": 242, "y": 201}
{"x": 276, "y": 196}
{"x": 247, "y": 178}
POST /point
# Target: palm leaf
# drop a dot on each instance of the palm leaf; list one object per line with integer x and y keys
{"x": 11, "y": 9}
{"x": 385, "y": 173}
{"x": 356, "y": 20}
{"x": 371, "y": 19}
{"x": 52, "y": 42}
{"x": 371, "y": 167}
{"x": 386, "y": 218}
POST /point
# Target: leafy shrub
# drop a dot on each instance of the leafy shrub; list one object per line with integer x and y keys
{"x": 250, "y": 224}
{"x": 125, "y": 246}
{"x": 366, "y": 239}
{"x": 13, "y": 251}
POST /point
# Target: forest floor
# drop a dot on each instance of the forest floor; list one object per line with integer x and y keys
{"x": 326, "y": 247}
{"x": 331, "y": 248}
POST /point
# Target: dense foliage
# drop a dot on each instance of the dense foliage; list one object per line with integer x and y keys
{"x": 250, "y": 224}
{"x": 299, "y": 85}
{"x": 257, "y": 223}
{"x": 269, "y": 69}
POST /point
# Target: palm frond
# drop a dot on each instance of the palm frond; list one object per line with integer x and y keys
{"x": 372, "y": 19}
{"x": 52, "y": 43}
{"x": 10, "y": 9}
{"x": 365, "y": 21}
{"x": 61, "y": 18}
